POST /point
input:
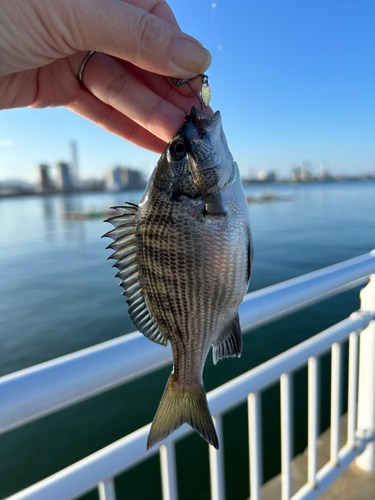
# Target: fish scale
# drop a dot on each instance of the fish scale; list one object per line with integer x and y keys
{"x": 191, "y": 267}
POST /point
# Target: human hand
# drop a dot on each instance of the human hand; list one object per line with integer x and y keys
{"x": 139, "y": 44}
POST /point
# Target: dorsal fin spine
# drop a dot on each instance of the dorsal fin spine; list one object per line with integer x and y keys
{"x": 135, "y": 287}
{"x": 131, "y": 298}
{"x": 139, "y": 303}
{"x": 120, "y": 231}
{"x": 128, "y": 273}
{"x": 126, "y": 261}
{"x": 140, "y": 315}
{"x": 145, "y": 322}
{"x": 127, "y": 250}
{"x": 118, "y": 219}
{"x": 126, "y": 210}
{"x": 126, "y": 240}
{"x": 134, "y": 278}
{"x": 124, "y": 245}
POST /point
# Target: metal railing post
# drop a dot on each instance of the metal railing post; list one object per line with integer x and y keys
{"x": 217, "y": 463}
{"x": 366, "y": 393}
{"x": 286, "y": 407}
{"x": 107, "y": 490}
{"x": 313, "y": 418}
{"x": 255, "y": 445}
{"x": 168, "y": 471}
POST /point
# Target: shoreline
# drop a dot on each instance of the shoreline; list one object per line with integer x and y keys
{"x": 246, "y": 184}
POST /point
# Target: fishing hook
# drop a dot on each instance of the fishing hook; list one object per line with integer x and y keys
{"x": 179, "y": 82}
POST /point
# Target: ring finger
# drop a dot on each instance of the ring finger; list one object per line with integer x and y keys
{"x": 118, "y": 87}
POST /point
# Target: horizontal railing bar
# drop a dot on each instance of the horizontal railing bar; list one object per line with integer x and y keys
{"x": 40, "y": 390}
{"x": 84, "y": 475}
{"x": 37, "y": 391}
{"x": 276, "y": 301}
{"x": 232, "y": 393}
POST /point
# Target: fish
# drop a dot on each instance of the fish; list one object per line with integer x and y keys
{"x": 184, "y": 256}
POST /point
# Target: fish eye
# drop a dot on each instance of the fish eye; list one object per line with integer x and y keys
{"x": 177, "y": 149}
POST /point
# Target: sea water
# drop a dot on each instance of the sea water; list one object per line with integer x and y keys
{"x": 58, "y": 295}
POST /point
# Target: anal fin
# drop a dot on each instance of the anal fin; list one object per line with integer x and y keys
{"x": 125, "y": 246}
{"x": 229, "y": 344}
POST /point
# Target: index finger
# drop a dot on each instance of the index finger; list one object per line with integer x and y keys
{"x": 133, "y": 34}
{"x": 158, "y": 8}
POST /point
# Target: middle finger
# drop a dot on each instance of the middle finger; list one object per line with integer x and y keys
{"x": 118, "y": 87}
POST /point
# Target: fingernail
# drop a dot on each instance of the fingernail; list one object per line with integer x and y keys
{"x": 190, "y": 56}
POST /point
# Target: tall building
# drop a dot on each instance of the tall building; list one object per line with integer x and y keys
{"x": 74, "y": 164}
{"x": 132, "y": 179}
{"x": 120, "y": 178}
{"x": 45, "y": 184}
{"x": 64, "y": 181}
{"x": 113, "y": 179}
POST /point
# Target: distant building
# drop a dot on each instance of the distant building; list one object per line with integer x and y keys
{"x": 45, "y": 184}
{"x": 296, "y": 174}
{"x": 74, "y": 164}
{"x": 305, "y": 175}
{"x": 93, "y": 184}
{"x": 64, "y": 181}
{"x": 120, "y": 178}
{"x": 132, "y": 179}
{"x": 264, "y": 176}
{"x": 16, "y": 188}
{"x": 113, "y": 179}
{"x": 322, "y": 170}
{"x": 302, "y": 173}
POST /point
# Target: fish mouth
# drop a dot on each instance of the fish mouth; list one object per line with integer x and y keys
{"x": 204, "y": 122}
{"x": 215, "y": 122}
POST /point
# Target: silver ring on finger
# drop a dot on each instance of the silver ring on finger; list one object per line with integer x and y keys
{"x": 82, "y": 67}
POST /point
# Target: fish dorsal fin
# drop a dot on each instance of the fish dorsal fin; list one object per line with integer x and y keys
{"x": 229, "y": 344}
{"x": 125, "y": 246}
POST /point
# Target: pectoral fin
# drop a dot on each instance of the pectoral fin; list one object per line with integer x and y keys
{"x": 229, "y": 344}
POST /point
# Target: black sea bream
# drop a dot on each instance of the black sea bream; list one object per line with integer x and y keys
{"x": 184, "y": 256}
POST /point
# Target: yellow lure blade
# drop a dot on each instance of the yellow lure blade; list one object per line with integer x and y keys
{"x": 206, "y": 94}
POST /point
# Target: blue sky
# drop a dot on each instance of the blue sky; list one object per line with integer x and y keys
{"x": 294, "y": 81}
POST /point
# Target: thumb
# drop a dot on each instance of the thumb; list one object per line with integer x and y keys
{"x": 133, "y": 34}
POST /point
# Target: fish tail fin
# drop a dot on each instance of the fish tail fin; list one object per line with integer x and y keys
{"x": 180, "y": 405}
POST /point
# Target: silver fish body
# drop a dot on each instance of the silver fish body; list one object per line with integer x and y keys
{"x": 185, "y": 256}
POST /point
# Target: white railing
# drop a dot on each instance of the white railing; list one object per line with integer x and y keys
{"x": 67, "y": 380}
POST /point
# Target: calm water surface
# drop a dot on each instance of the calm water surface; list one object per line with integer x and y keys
{"x": 58, "y": 295}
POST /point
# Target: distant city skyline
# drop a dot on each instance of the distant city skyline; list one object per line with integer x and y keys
{"x": 292, "y": 80}
{"x": 64, "y": 179}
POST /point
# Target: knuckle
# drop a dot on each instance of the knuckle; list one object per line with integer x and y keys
{"x": 156, "y": 111}
{"x": 116, "y": 88}
{"x": 151, "y": 35}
